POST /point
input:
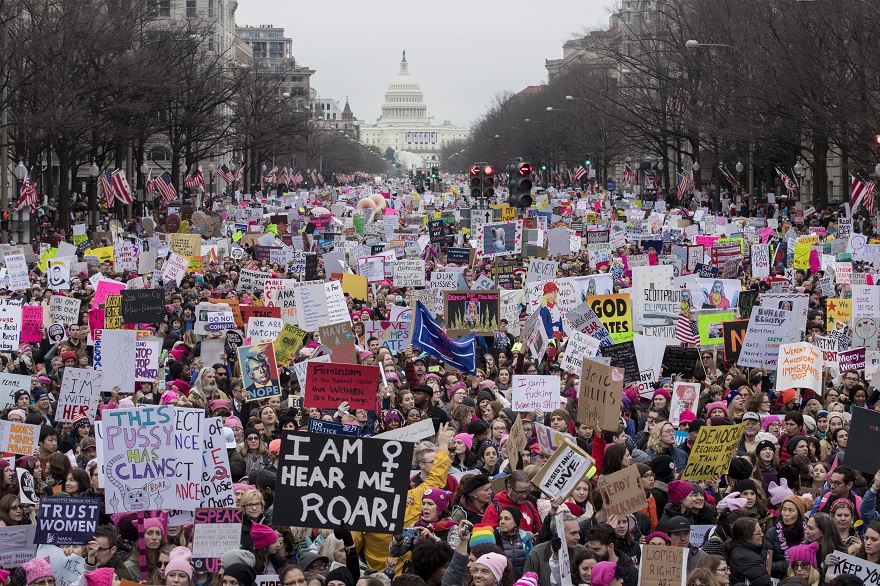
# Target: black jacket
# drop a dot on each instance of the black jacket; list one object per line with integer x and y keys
{"x": 708, "y": 515}
{"x": 772, "y": 542}
{"x": 748, "y": 562}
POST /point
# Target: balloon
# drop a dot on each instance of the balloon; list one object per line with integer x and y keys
{"x": 366, "y": 204}
{"x": 381, "y": 203}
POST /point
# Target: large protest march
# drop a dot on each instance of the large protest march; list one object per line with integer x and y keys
{"x": 367, "y": 384}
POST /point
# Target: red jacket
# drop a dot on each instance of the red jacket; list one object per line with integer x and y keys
{"x": 530, "y": 520}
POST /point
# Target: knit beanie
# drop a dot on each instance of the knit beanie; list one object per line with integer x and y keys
{"x": 232, "y": 422}
{"x": 779, "y": 492}
{"x": 716, "y": 405}
{"x": 484, "y": 396}
{"x": 262, "y": 536}
{"x": 340, "y": 574}
{"x": 643, "y": 468}
{"x": 4, "y": 577}
{"x": 663, "y": 393}
{"x": 731, "y": 396}
{"x": 798, "y": 503}
{"x": 740, "y": 469}
{"x": 238, "y": 556}
{"x": 245, "y": 575}
{"x": 602, "y": 573}
{"x": 155, "y": 522}
{"x": 439, "y": 497}
{"x": 746, "y": 484}
{"x": 563, "y": 414}
{"x": 528, "y": 579}
{"x": 515, "y": 513}
{"x": 100, "y": 577}
{"x": 678, "y": 490}
{"x": 804, "y": 553}
{"x": 179, "y": 561}
{"x": 79, "y": 420}
{"x": 659, "y": 534}
{"x": 466, "y": 438}
{"x": 41, "y": 568}
{"x": 732, "y": 502}
{"x": 496, "y": 563}
{"x": 769, "y": 419}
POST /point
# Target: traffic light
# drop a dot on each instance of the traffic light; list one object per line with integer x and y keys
{"x": 435, "y": 172}
{"x": 543, "y": 166}
{"x": 520, "y": 185}
{"x": 488, "y": 181}
{"x": 588, "y": 161}
{"x": 877, "y": 144}
{"x": 476, "y": 182}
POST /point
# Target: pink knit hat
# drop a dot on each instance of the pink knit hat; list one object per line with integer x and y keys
{"x": 179, "y": 561}
{"x": 100, "y": 577}
{"x": 441, "y": 498}
{"x": 466, "y": 438}
{"x": 602, "y": 573}
{"x": 155, "y": 522}
{"x": 262, "y": 536}
{"x": 41, "y": 568}
{"x": 716, "y": 405}
{"x": 768, "y": 419}
{"x": 232, "y": 422}
{"x": 528, "y": 579}
{"x": 804, "y": 553}
{"x": 496, "y": 563}
{"x": 678, "y": 490}
{"x": 4, "y": 577}
{"x": 663, "y": 393}
{"x": 732, "y": 502}
{"x": 779, "y": 492}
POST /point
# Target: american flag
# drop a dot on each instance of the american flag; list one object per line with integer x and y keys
{"x": 686, "y": 330}
{"x": 675, "y": 99}
{"x": 239, "y": 171}
{"x": 107, "y": 187}
{"x": 165, "y": 187}
{"x": 629, "y": 175}
{"x": 862, "y": 194}
{"x": 685, "y": 185}
{"x": 283, "y": 177}
{"x": 195, "y": 178}
{"x": 791, "y": 185}
{"x": 298, "y": 178}
{"x": 580, "y": 172}
{"x": 312, "y": 177}
{"x": 270, "y": 177}
{"x": 652, "y": 176}
{"x": 28, "y": 195}
{"x": 731, "y": 178}
{"x": 225, "y": 174}
{"x": 121, "y": 188}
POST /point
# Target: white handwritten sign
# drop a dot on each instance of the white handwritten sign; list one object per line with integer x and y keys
{"x": 530, "y": 392}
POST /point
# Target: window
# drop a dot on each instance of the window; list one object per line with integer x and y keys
{"x": 160, "y": 7}
{"x": 190, "y": 8}
{"x": 210, "y": 8}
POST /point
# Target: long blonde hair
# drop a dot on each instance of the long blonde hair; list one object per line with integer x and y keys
{"x": 654, "y": 438}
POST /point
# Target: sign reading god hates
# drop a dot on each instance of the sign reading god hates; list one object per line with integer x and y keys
{"x": 358, "y": 482}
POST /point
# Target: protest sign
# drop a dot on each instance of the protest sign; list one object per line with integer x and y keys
{"x": 566, "y": 467}
{"x": 734, "y": 333}
{"x": 58, "y": 274}
{"x": 17, "y": 270}
{"x": 328, "y": 385}
{"x": 615, "y": 313}
{"x": 215, "y": 531}
{"x": 216, "y": 481}
{"x": 799, "y": 366}
{"x": 186, "y": 244}
{"x": 684, "y": 398}
{"x": 579, "y": 346}
{"x": 392, "y": 335}
{"x": 31, "y": 324}
{"x": 10, "y": 320}
{"x": 851, "y": 360}
{"x": 250, "y": 280}
{"x": 713, "y": 450}
{"x": 864, "y": 431}
{"x": 663, "y": 565}
{"x": 767, "y": 329}
{"x": 564, "y": 557}
{"x": 340, "y": 339}
{"x": 259, "y": 371}
{"x": 26, "y": 487}
{"x": 623, "y": 356}
{"x": 471, "y": 312}
{"x": 18, "y": 545}
{"x": 411, "y": 433}
{"x": 65, "y": 520}
{"x": 409, "y": 273}
{"x": 290, "y": 339}
{"x": 153, "y": 457}
{"x": 19, "y": 438}
{"x": 600, "y": 395}
{"x": 334, "y": 428}
{"x": 530, "y": 392}
{"x": 263, "y": 329}
{"x": 68, "y": 569}
{"x": 760, "y": 260}
{"x": 143, "y": 306}
{"x": 147, "y": 352}
{"x": 11, "y": 384}
{"x": 113, "y": 312}
{"x": 360, "y": 483}
{"x": 104, "y": 288}
{"x": 80, "y": 394}
{"x": 850, "y": 565}
{"x": 710, "y": 326}
{"x": 622, "y": 492}
{"x": 174, "y": 268}
{"x": 116, "y": 358}
{"x": 583, "y": 319}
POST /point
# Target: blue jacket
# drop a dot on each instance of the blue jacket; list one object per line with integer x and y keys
{"x": 679, "y": 456}
{"x": 868, "y": 510}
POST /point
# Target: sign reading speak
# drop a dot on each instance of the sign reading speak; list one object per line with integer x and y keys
{"x": 357, "y": 482}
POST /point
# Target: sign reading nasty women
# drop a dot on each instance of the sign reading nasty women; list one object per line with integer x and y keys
{"x": 337, "y": 480}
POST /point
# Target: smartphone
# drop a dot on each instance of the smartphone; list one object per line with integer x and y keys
{"x": 433, "y": 369}
{"x": 409, "y": 532}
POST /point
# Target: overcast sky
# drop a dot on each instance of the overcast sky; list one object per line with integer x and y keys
{"x": 462, "y": 52}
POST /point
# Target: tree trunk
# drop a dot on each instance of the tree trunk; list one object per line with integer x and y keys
{"x": 820, "y": 171}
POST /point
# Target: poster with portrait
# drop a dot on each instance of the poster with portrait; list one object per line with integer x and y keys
{"x": 470, "y": 312}
{"x": 720, "y": 293}
{"x": 499, "y": 239}
{"x": 259, "y": 371}
{"x": 684, "y": 398}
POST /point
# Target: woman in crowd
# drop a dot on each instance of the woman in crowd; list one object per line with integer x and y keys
{"x": 253, "y": 451}
{"x": 517, "y": 543}
{"x": 746, "y": 555}
{"x": 789, "y": 530}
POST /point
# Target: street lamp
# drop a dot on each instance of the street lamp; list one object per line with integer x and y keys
{"x": 571, "y": 98}
{"x": 692, "y": 44}
{"x": 142, "y": 197}
{"x": 695, "y": 166}
{"x": 211, "y": 180}
{"x": 182, "y": 169}
{"x": 739, "y": 167}
{"x": 798, "y": 168}
{"x": 877, "y": 169}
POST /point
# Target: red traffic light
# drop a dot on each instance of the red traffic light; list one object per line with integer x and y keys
{"x": 489, "y": 170}
{"x": 877, "y": 139}
{"x": 525, "y": 169}
{"x": 475, "y": 170}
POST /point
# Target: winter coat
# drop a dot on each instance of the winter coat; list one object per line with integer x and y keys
{"x": 516, "y": 548}
{"x": 530, "y": 521}
{"x": 708, "y": 515}
{"x": 773, "y": 542}
{"x": 748, "y": 563}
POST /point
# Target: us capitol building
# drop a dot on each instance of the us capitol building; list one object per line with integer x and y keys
{"x": 405, "y": 125}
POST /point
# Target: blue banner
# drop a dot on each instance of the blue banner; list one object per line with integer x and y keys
{"x": 429, "y": 337}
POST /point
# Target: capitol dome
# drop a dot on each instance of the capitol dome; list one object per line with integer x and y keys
{"x": 404, "y": 102}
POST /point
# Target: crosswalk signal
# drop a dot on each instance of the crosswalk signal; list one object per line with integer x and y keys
{"x": 488, "y": 181}
{"x": 520, "y": 185}
{"x": 476, "y": 182}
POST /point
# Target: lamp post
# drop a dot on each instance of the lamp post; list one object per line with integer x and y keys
{"x": 142, "y": 196}
{"x": 182, "y": 169}
{"x": 94, "y": 171}
{"x": 20, "y": 173}
{"x": 211, "y": 179}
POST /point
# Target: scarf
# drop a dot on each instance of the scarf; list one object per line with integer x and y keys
{"x": 796, "y": 535}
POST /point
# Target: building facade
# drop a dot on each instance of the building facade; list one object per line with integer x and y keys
{"x": 273, "y": 51}
{"x": 405, "y": 125}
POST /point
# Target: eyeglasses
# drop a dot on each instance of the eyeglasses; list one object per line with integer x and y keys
{"x": 218, "y": 373}
{"x": 162, "y": 564}
{"x": 837, "y": 482}
{"x": 253, "y": 505}
{"x": 103, "y": 549}
{"x": 253, "y": 439}
{"x": 648, "y": 475}
{"x": 519, "y": 492}
{"x": 725, "y": 569}
{"x": 800, "y": 565}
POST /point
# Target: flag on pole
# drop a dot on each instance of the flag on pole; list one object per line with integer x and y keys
{"x": 629, "y": 175}
{"x": 195, "y": 179}
{"x": 791, "y": 185}
{"x": 652, "y": 176}
{"x": 107, "y": 187}
{"x": 121, "y": 188}
{"x": 270, "y": 177}
{"x": 685, "y": 185}
{"x": 686, "y": 330}
{"x": 225, "y": 174}
{"x": 580, "y": 172}
{"x": 165, "y": 187}
{"x": 862, "y": 194}
{"x": 731, "y": 178}
{"x": 428, "y": 336}
{"x": 28, "y": 196}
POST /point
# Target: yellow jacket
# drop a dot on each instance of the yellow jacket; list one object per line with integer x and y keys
{"x": 375, "y": 545}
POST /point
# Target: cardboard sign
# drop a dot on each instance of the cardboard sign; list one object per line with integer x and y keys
{"x": 259, "y": 371}
{"x": 563, "y": 471}
{"x": 471, "y": 312}
{"x": 663, "y": 565}
{"x": 215, "y": 532}
{"x": 600, "y": 393}
{"x": 530, "y": 392}
{"x": 80, "y": 394}
{"x": 340, "y": 339}
{"x": 116, "y": 358}
{"x": 799, "y": 366}
{"x": 864, "y": 431}
{"x": 20, "y": 439}
{"x": 328, "y": 385}
{"x": 713, "y": 450}
{"x": 734, "y": 334}
{"x": 357, "y": 482}
{"x": 64, "y": 520}
{"x": 622, "y": 492}
{"x": 153, "y": 457}
{"x": 143, "y": 306}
